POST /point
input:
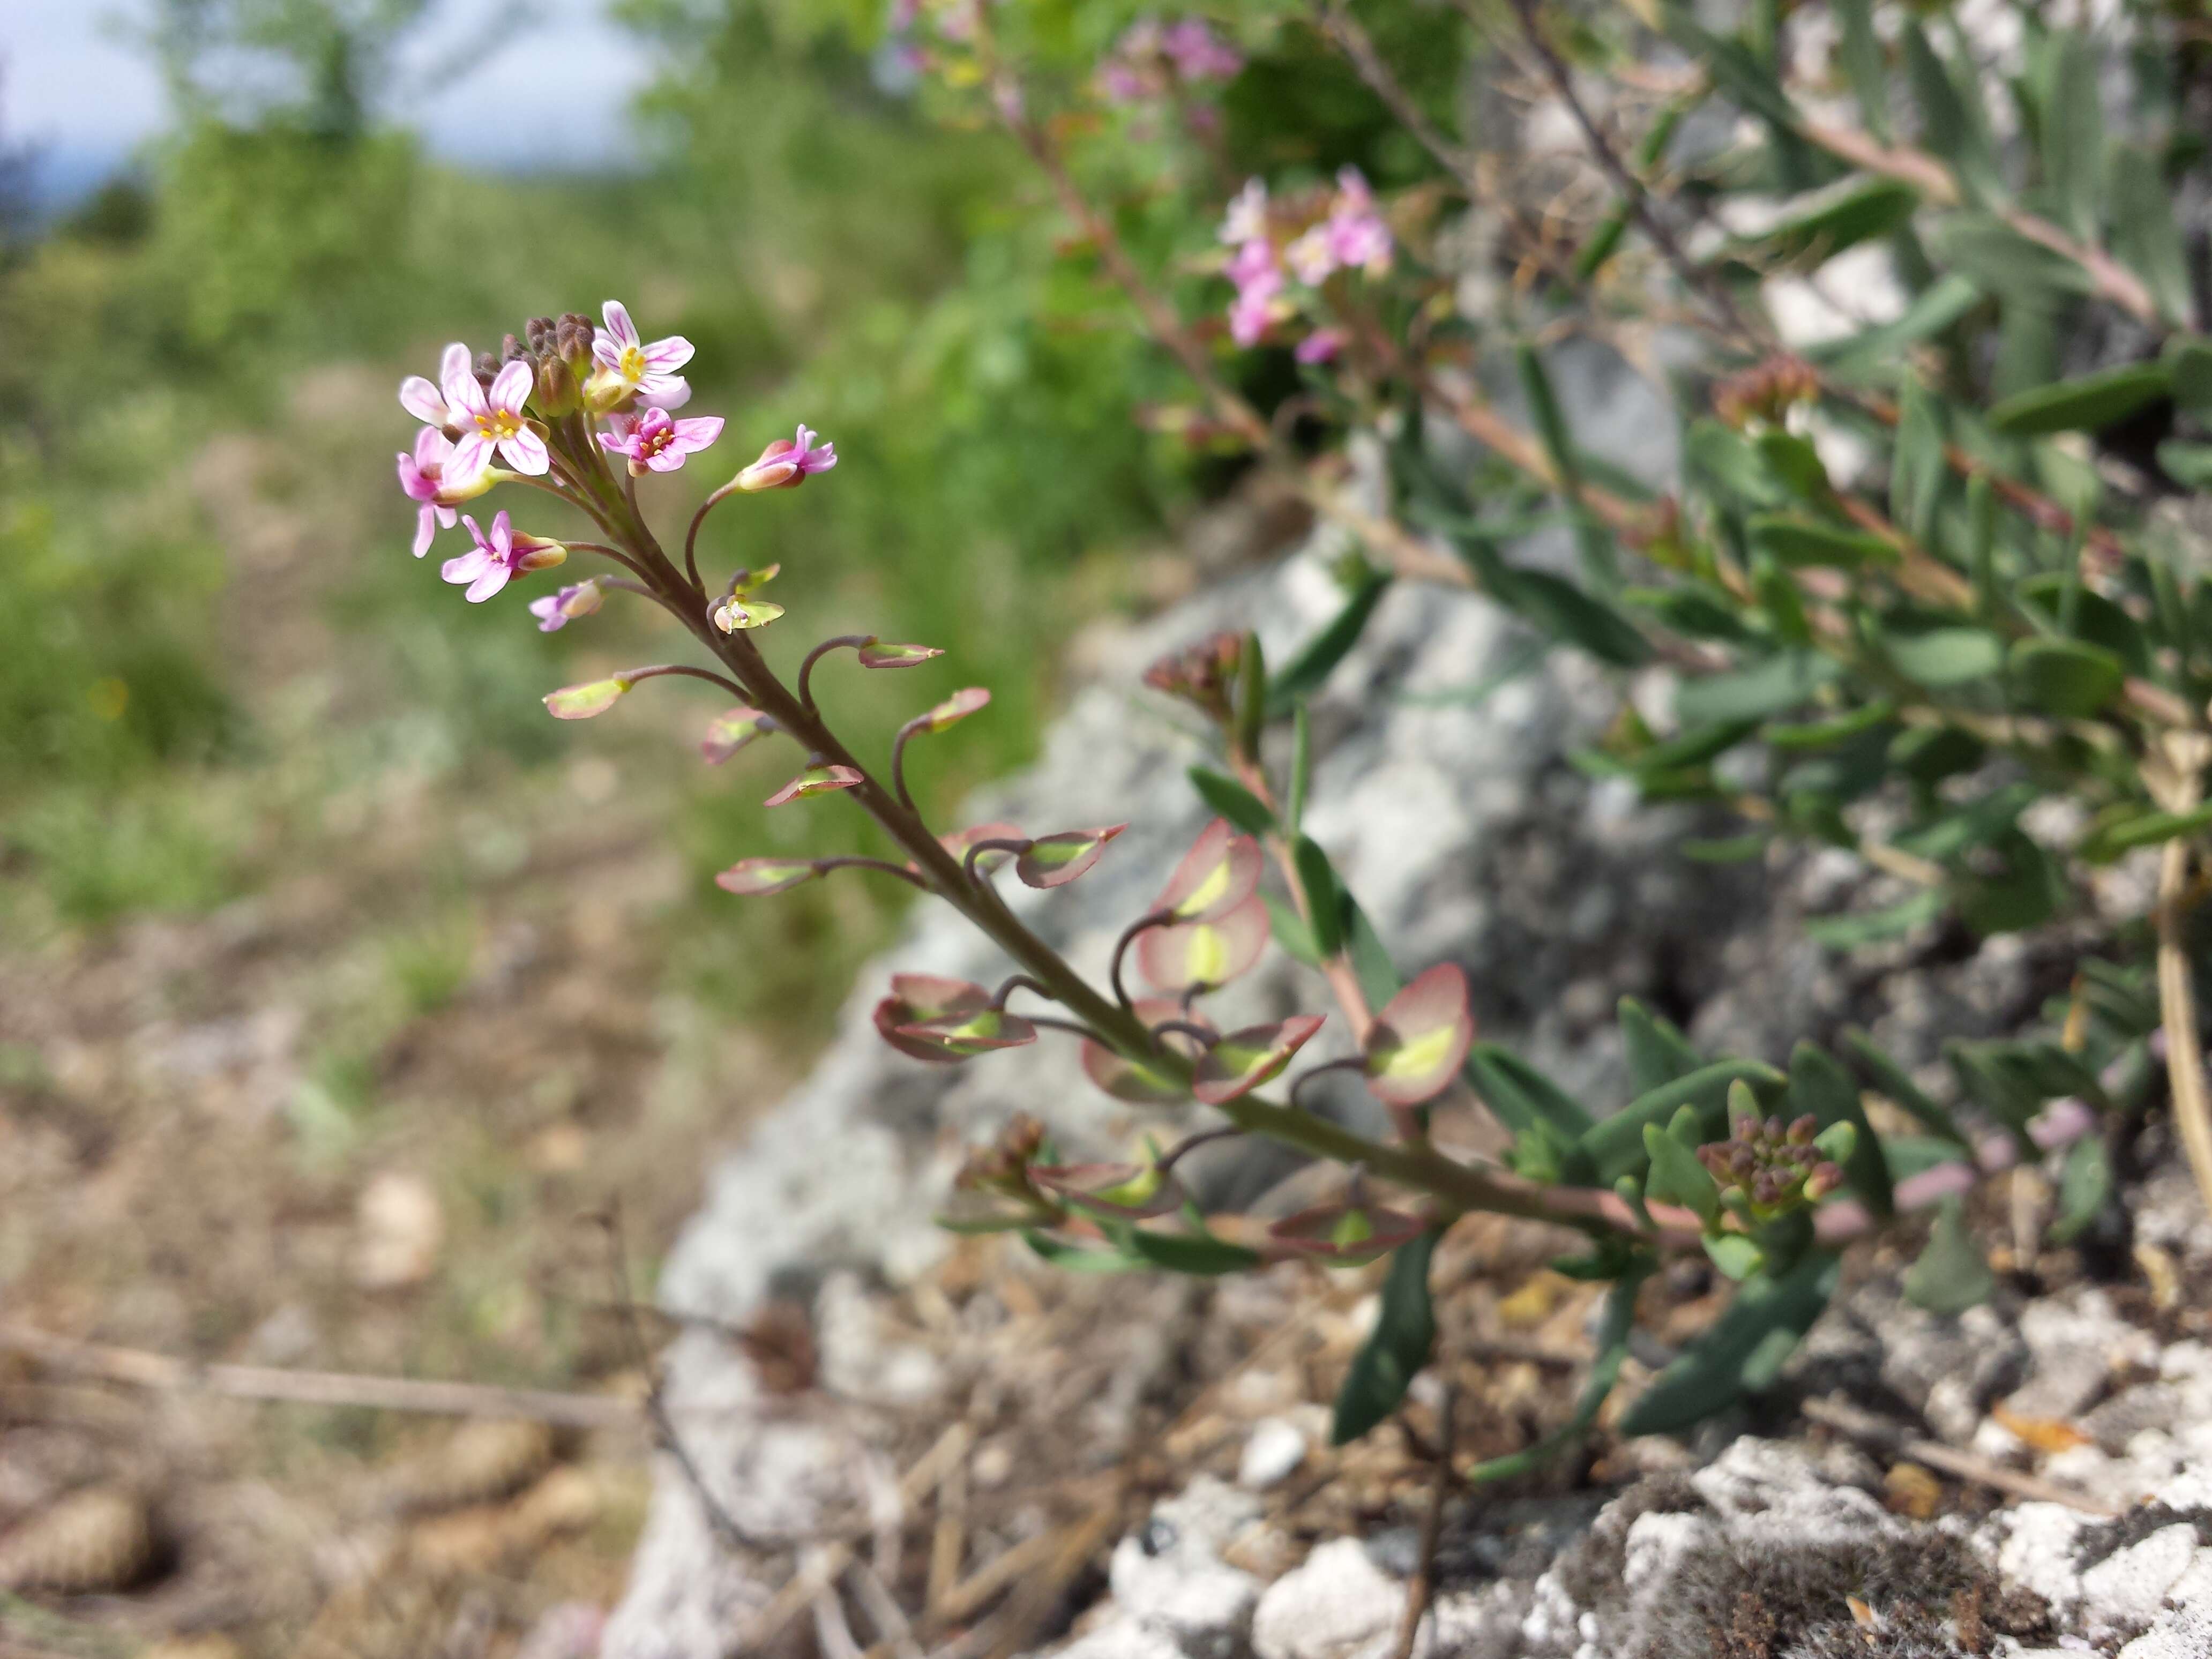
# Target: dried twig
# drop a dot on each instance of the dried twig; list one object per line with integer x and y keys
{"x": 1421, "y": 1588}
{"x": 797, "y": 1594}
{"x": 1866, "y": 1427}
{"x": 2174, "y": 775}
{"x": 656, "y": 1406}
{"x": 137, "y": 1368}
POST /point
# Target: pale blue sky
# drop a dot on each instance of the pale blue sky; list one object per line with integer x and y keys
{"x": 86, "y": 98}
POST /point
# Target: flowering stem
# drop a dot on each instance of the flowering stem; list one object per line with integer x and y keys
{"x": 1018, "y": 982}
{"x": 692, "y": 535}
{"x": 1422, "y": 1168}
{"x": 1348, "y": 1063}
{"x": 806, "y": 667}
{"x": 855, "y": 861}
{"x": 657, "y": 669}
{"x": 1156, "y": 919}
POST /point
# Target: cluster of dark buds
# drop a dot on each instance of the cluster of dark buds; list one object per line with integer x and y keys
{"x": 1771, "y": 1167}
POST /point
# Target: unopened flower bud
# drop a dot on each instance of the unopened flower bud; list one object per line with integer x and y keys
{"x": 538, "y": 332}
{"x": 572, "y": 339}
{"x": 511, "y": 349}
{"x": 558, "y": 393}
{"x": 1201, "y": 674}
{"x": 487, "y": 369}
{"x": 1802, "y": 1131}
{"x": 556, "y": 611}
{"x": 1824, "y": 1180}
{"x": 536, "y": 552}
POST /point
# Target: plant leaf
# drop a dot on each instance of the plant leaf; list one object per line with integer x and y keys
{"x": 1394, "y": 1352}
{"x": 1306, "y": 672}
{"x": 1615, "y": 1144}
{"x": 2144, "y": 232}
{"x": 881, "y": 653}
{"x": 1232, "y": 800}
{"x": 2088, "y": 403}
{"x": 1740, "y": 1351}
{"x": 1799, "y": 542}
{"x": 1658, "y": 1051}
{"x": 1776, "y": 685}
{"x": 1677, "y": 1177}
{"x": 1950, "y": 1276}
{"x": 1820, "y": 1085}
{"x": 2065, "y": 676}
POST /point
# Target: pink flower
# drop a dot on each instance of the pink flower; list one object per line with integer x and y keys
{"x": 499, "y": 557}
{"x": 1312, "y": 256}
{"x": 1198, "y": 53}
{"x": 556, "y": 611}
{"x": 1247, "y": 220}
{"x": 654, "y": 443}
{"x": 422, "y": 475}
{"x": 645, "y": 372}
{"x": 492, "y": 420}
{"x": 785, "y": 464}
{"x": 423, "y": 401}
{"x": 1319, "y": 346}
{"x": 1357, "y": 235}
{"x": 1259, "y": 280}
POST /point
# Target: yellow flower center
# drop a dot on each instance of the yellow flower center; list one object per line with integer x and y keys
{"x": 633, "y": 362}
{"x": 498, "y": 424}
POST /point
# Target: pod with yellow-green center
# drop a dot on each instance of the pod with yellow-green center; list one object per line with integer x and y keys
{"x": 1219, "y": 872}
{"x": 1113, "y": 1192}
{"x": 821, "y": 778}
{"x": 1348, "y": 1233}
{"x": 1205, "y": 955}
{"x": 1054, "y": 860}
{"x": 757, "y": 877}
{"x": 1419, "y": 1039}
{"x": 945, "y": 1021}
{"x": 731, "y": 732}
{"x": 582, "y": 702}
{"x": 1240, "y": 1062}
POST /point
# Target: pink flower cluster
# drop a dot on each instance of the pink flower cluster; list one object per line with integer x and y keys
{"x": 531, "y": 413}
{"x": 1151, "y": 57}
{"x": 1350, "y": 234}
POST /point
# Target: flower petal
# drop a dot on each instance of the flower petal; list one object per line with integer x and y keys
{"x": 616, "y": 314}
{"x": 421, "y": 400}
{"x": 466, "y": 567}
{"x": 487, "y": 585}
{"x": 471, "y": 456}
{"x": 698, "y": 431}
{"x": 458, "y": 380}
{"x": 666, "y": 356}
{"x": 1242, "y": 1061}
{"x": 526, "y": 452}
{"x": 1419, "y": 1039}
{"x": 426, "y": 528}
{"x": 433, "y": 448}
{"x": 511, "y": 386}
{"x": 1056, "y": 860}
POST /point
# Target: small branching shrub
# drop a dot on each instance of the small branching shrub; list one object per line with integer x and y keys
{"x": 1914, "y": 578}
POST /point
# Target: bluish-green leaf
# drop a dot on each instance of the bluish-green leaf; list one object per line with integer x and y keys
{"x": 1744, "y": 1347}
{"x": 1324, "y": 908}
{"x": 1305, "y": 673}
{"x": 2083, "y": 1186}
{"x": 1945, "y": 657}
{"x": 1786, "y": 681}
{"x": 1891, "y": 1079}
{"x": 2066, "y": 677}
{"x": 2144, "y": 232}
{"x": 1656, "y": 1051}
{"x": 1677, "y": 1177}
{"x": 1951, "y": 1275}
{"x": 1848, "y": 932}
{"x": 2088, "y": 403}
{"x": 1615, "y": 1144}
{"x": 1394, "y": 1352}
{"x": 2073, "y": 123}
{"x": 1232, "y": 800}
